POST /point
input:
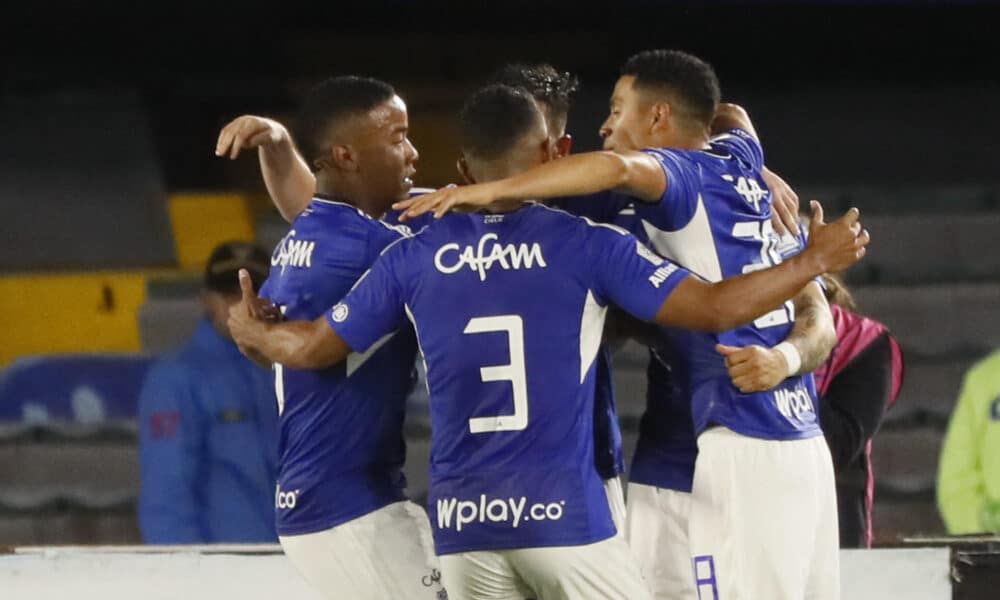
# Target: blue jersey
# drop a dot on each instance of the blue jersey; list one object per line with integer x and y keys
{"x": 609, "y": 456}
{"x": 341, "y": 446}
{"x": 715, "y": 219}
{"x": 509, "y": 311}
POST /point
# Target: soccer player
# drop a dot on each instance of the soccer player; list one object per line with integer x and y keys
{"x": 342, "y": 516}
{"x": 289, "y": 182}
{"x": 508, "y": 306}
{"x": 701, "y": 199}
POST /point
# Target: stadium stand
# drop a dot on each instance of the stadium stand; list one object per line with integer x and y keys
{"x": 102, "y": 173}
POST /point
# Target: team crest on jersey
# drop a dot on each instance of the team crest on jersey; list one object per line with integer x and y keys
{"x": 292, "y": 252}
{"x": 339, "y": 314}
{"x": 489, "y": 252}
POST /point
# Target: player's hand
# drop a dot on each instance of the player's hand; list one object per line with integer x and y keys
{"x": 441, "y": 201}
{"x": 784, "y": 203}
{"x": 248, "y": 131}
{"x": 754, "y": 368}
{"x": 838, "y": 245}
{"x": 244, "y": 324}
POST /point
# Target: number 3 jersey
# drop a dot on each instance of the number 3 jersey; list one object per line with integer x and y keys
{"x": 715, "y": 219}
{"x": 341, "y": 446}
{"x": 509, "y": 310}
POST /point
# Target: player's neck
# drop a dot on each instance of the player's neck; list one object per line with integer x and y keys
{"x": 682, "y": 140}
{"x": 348, "y": 191}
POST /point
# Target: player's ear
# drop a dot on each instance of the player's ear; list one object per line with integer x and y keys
{"x": 463, "y": 170}
{"x": 564, "y": 145}
{"x": 659, "y": 116}
{"x": 344, "y": 157}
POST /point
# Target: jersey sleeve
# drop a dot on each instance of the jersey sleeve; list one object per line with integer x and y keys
{"x": 629, "y": 274}
{"x": 680, "y": 200}
{"x": 743, "y": 146}
{"x": 374, "y": 307}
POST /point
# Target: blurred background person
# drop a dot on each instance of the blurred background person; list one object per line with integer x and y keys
{"x": 857, "y": 384}
{"x": 208, "y": 426}
{"x": 968, "y": 491}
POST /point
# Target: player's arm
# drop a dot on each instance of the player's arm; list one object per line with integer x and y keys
{"x": 731, "y": 116}
{"x": 636, "y": 174}
{"x": 784, "y": 200}
{"x": 695, "y": 304}
{"x": 294, "y": 344}
{"x": 756, "y": 368}
{"x": 287, "y": 176}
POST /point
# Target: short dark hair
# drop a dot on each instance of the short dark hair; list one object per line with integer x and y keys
{"x": 328, "y": 103}
{"x": 494, "y": 119}
{"x": 544, "y": 82}
{"x": 691, "y": 79}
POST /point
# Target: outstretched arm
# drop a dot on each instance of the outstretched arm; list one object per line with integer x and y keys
{"x": 287, "y": 176}
{"x": 756, "y": 368}
{"x": 294, "y": 344}
{"x": 695, "y": 304}
{"x": 634, "y": 173}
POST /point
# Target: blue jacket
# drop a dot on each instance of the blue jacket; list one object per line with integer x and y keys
{"x": 207, "y": 440}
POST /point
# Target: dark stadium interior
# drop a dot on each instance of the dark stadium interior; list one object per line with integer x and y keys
{"x": 110, "y": 113}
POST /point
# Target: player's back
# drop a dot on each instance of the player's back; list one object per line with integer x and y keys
{"x": 715, "y": 219}
{"x": 509, "y": 311}
{"x": 341, "y": 446}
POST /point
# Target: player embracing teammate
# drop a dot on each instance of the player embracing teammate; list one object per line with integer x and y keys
{"x": 508, "y": 302}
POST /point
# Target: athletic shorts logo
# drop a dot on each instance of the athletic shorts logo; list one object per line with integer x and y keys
{"x": 339, "y": 314}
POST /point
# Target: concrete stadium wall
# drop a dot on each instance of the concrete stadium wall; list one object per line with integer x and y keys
{"x": 261, "y": 572}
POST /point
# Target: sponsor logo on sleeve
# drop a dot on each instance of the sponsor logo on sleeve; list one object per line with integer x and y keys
{"x": 662, "y": 274}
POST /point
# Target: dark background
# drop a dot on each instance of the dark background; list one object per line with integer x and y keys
{"x": 842, "y": 92}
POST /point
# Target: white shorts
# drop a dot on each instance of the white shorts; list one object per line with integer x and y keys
{"x": 657, "y": 531}
{"x": 764, "y": 519}
{"x": 616, "y": 502}
{"x": 387, "y": 553}
{"x": 600, "y": 571}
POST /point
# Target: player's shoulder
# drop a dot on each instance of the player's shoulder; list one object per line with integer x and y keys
{"x": 986, "y": 371}
{"x": 557, "y": 214}
{"x": 737, "y": 143}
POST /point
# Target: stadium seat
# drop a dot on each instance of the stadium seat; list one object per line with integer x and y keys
{"x": 76, "y": 388}
{"x": 94, "y": 200}
{"x": 202, "y": 221}
{"x": 915, "y": 248}
{"x": 70, "y": 312}
{"x": 906, "y": 459}
{"x": 941, "y": 320}
{"x": 165, "y": 324}
{"x": 893, "y": 519}
{"x": 930, "y": 387}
